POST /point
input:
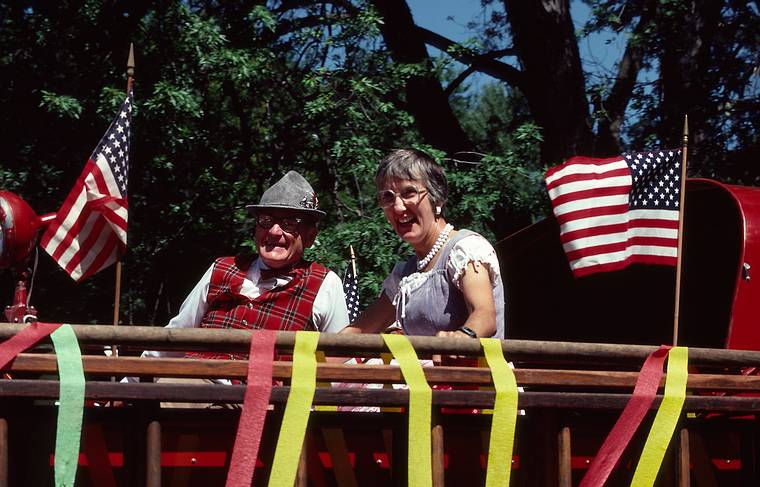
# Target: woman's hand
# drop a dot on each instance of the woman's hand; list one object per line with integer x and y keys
{"x": 437, "y": 359}
{"x": 453, "y": 334}
{"x": 375, "y": 319}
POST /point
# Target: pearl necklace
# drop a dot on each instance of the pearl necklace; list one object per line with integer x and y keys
{"x": 436, "y": 246}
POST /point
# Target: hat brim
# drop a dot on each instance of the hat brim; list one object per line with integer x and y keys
{"x": 253, "y": 209}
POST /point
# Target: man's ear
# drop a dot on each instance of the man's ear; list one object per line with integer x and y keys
{"x": 309, "y": 236}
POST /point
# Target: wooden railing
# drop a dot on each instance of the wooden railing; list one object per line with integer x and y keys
{"x": 556, "y": 376}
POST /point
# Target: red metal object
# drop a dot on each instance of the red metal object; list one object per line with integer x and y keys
{"x": 19, "y": 225}
{"x": 19, "y": 312}
{"x": 19, "y": 228}
{"x": 743, "y": 332}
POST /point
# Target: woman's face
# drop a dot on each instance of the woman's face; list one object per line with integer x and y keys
{"x": 411, "y": 215}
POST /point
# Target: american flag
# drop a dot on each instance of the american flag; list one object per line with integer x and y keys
{"x": 351, "y": 290}
{"x": 617, "y": 211}
{"x": 89, "y": 232}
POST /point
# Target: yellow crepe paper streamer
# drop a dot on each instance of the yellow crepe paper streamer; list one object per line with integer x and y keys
{"x": 420, "y": 407}
{"x": 504, "y": 418}
{"x": 666, "y": 419}
{"x": 297, "y": 409}
{"x": 483, "y": 363}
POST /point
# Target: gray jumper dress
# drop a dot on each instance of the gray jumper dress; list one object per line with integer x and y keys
{"x": 429, "y": 302}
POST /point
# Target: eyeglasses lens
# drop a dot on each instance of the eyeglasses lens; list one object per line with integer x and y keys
{"x": 408, "y": 195}
{"x": 288, "y": 224}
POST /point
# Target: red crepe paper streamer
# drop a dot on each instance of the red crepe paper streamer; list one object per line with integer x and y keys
{"x": 251, "y": 426}
{"x": 643, "y": 395}
{"x": 23, "y": 340}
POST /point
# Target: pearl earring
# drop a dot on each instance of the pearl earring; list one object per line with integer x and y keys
{"x": 437, "y": 210}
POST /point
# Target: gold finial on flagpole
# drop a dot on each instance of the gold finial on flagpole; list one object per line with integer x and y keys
{"x": 131, "y": 61}
{"x": 353, "y": 258}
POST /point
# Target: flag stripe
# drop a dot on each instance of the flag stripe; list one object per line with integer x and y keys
{"x": 584, "y": 165}
{"x": 571, "y": 188}
{"x": 594, "y": 194}
{"x": 631, "y": 246}
{"x": 107, "y": 255}
{"x": 622, "y": 264}
{"x": 69, "y": 235}
{"x": 598, "y": 201}
{"x": 578, "y": 216}
{"x": 78, "y": 251}
{"x": 657, "y": 228}
{"x": 582, "y": 177}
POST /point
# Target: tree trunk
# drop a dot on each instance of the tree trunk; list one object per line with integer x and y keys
{"x": 425, "y": 97}
{"x": 543, "y": 34}
{"x": 685, "y": 77}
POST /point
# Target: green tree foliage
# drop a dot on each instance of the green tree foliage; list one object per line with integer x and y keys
{"x": 232, "y": 94}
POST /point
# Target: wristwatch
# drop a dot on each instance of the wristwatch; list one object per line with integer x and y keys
{"x": 468, "y": 331}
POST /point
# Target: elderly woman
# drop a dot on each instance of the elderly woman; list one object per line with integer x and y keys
{"x": 452, "y": 285}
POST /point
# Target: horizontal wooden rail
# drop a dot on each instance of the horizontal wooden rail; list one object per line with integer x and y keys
{"x": 237, "y": 369}
{"x": 157, "y": 338}
{"x": 104, "y": 391}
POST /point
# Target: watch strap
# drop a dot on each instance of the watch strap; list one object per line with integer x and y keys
{"x": 468, "y": 331}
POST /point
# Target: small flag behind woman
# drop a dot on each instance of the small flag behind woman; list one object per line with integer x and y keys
{"x": 351, "y": 288}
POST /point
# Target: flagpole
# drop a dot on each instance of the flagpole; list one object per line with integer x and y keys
{"x": 117, "y": 287}
{"x": 681, "y": 213}
{"x": 353, "y": 259}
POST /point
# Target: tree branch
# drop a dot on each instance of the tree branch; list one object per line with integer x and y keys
{"x": 615, "y": 104}
{"x": 483, "y": 63}
{"x": 458, "y": 81}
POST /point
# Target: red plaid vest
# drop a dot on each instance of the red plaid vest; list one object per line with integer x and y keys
{"x": 284, "y": 308}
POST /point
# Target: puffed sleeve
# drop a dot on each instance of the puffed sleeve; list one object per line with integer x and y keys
{"x": 476, "y": 250}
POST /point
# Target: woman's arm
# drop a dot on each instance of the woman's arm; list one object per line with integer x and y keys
{"x": 478, "y": 294}
{"x": 376, "y": 318}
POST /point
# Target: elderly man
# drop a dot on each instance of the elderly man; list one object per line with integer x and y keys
{"x": 278, "y": 290}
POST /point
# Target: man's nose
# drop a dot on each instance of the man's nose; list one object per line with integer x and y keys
{"x": 276, "y": 229}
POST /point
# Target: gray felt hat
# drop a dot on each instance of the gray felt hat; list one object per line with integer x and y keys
{"x": 292, "y": 192}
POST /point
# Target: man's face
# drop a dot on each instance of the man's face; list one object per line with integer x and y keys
{"x": 282, "y": 247}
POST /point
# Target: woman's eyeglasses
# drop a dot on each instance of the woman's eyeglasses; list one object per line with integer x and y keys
{"x": 288, "y": 224}
{"x": 410, "y": 195}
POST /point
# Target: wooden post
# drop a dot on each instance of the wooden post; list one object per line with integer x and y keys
{"x": 683, "y": 459}
{"x": 3, "y": 452}
{"x": 436, "y": 449}
{"x": 564, "y": 455}
{"x": 335, "y": 442}
{"x": 749, "y": 447}
{"x": 116, "y": 301}
{"x": 153, "y": 455}
{"x": 302, "y": 475}
{"x": 701, "y": 461}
